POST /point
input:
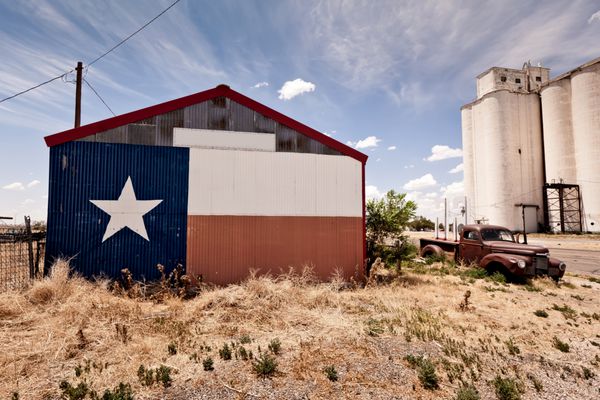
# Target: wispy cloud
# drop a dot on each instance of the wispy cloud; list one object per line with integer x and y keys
{"x": 443, "y": 152}
{"x": 595, "y": 17}
{"x": 14, "y": 186}
{"x": 291, "y": 89}
{"x": 457, "y": 169}
{"x": 391, "y": 148}
{"x": 260, "y": 85}
{"x": 33, "y": 183}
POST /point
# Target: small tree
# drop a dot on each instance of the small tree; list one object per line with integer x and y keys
{"x": 387, "y": 218}
{"x": 422, "y": 224}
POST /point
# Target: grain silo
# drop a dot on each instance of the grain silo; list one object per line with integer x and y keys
{"x": 216, "y": 182}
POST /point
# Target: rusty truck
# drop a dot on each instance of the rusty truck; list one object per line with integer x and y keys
{"x": 494, "y": 248}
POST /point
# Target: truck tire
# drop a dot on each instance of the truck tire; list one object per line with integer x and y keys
{"x": 432, "y": 250}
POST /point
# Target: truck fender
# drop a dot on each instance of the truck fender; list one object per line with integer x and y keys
{"x": 432, "y": 250}
{"x": 505, "y": 260}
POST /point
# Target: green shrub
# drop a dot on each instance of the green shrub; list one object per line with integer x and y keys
{"x": 587, "y": 373}
{"x": 163, "y": 375}
{"x": 467, "y": 392}
{"x": 374, "y": 327}
{"x": 160, "y": 375}
{"x": 425, "y": 370}
{"x": 265, "y": 365}
{"x": 540, "y": 313}
{"x": 121, "y": 392}
{"x": 71, "y": 392}
{"x": 207, "y": 364}
{"x": 513, "y": 349}
{"x": 566, "y": 311}
{"x": 506, "y": 388}
{"x": 560, "y": 345}
{"x": 245, "y": 339}
{"x": 331, "y": 373}
{"x": 497, "y": 277}
{"x": 275, "y": 346}
{"x": 172, "y": 349}
{"x": 225, "y": 352}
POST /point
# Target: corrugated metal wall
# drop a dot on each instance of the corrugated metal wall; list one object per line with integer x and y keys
{"x": 220, "y": 113}
{"x": 80, "y": 172}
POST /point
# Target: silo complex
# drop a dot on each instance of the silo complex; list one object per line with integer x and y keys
{"x": 571, "y": 104}
{"x": 532, "y": 141}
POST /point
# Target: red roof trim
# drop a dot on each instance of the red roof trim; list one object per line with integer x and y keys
{"x": 221, "y": 90}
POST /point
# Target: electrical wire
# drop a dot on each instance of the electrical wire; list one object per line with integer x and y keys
{"x": 100, "y": 97}
{"x": 96, "y": 59}
{"x": 133, "y": 34}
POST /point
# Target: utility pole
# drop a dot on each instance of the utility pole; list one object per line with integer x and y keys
{"x": 79, "y": 70}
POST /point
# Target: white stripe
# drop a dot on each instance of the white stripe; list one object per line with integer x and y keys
{"x": 231, "y": 182}
{"x": 209, "y": 139}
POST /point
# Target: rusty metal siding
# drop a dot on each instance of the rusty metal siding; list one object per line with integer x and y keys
{"x": 224, "y": 249}
{"x": 82, "y": 171}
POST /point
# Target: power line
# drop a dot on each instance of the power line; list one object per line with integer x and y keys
{"x": 96, "y": 59}
{"x": 100, "y": 97}
{"x": 134, "y": 33}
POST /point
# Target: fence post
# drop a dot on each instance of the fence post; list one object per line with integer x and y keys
{"x": 29, "y": 246}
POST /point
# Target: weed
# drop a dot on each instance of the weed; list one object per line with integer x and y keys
{"x": 243, "y": 353}
{"x": 593, "y": 279}
{"x": 71, "y": 392}
{"x": 531, "y": 288}
{"x": 536, "y": 383}
{"x": 586, "y": 286}
{"x": 513, "y": 349}
{"x": 225, "y": 352}
{"x": 374, "y": 327}
{"x": 497, "y": 277}
{"x": 275, "y": 346}
{"x": 577, "y": 297}
{"x": 207, "y": 364}
{"x": 566, "y": 311}
{"x": 172, "y": 349}
{"x": 331, "y": 373}
{"x": 426, "y": 371}
{"x": 467, "y": 392}
{"x": 160, "y": 375}
{"x": 121, "y": 392}
{"x": 560, "y": 345}
{"x": 122, "y": 333}
{"x": 568, "y": 285}
{"x": 475, "y": 273}
{"x": 506, "y": 388}
{"x": 587, "y": 373}
{"x": 540, "y": 313}
{"x": 265, "y": 365}
{"x": 465, "y": 305}
{"x": 245, "y": 339}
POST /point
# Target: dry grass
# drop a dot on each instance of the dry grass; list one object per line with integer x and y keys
{"x": 62, "y": 326}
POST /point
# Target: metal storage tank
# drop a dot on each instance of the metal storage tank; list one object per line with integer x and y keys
{"x": 507, "y": 165}
{"x": 468, "y": 160}
{"x": 585, "y": 85}
{"x": 559, "y": 149}
{"x": 215, "y": 182}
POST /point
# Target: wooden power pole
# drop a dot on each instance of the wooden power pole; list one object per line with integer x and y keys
{"x": 79, "y": 70}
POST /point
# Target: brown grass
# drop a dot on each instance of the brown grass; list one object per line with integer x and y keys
{"x": 63, "y": 322}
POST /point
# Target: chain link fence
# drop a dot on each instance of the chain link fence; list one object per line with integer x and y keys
{"x": 21, "y": 255}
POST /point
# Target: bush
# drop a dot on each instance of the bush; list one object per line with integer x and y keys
{"x": 560, "y": 345}
{"x": 513, "y": 349}
{"x": 160, "y": 375}
{"x": 275, "y": 346}
{"x": 467, "y": 392}
{"x": 265, "y": 365}
{"x": 540, "y": 313}
{"x": 506, "y": 388}
{"x": 225, "y": 352}
{"x": 331, "y": 373}
{"x": 121, "y": 392}
{"x": 172, "y": 349}
{"x": 425, "y": 371}
{"x": 207, "y": 364}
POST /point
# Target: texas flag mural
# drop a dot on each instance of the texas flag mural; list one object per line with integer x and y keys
{"x": 218, "y": 211}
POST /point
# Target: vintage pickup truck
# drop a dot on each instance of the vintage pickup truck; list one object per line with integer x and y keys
{"x": 495, "y": 249}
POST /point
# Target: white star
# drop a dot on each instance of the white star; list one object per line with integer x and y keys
{"x": 126, "y": 212}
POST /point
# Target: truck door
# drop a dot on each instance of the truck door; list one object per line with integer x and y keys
{"x": 470, "y": 246}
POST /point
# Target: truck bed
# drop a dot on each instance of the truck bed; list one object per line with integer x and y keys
{"x": 449, "y": 246}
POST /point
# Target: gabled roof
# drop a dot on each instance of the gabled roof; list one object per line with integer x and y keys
{"x": 219, "y": 91}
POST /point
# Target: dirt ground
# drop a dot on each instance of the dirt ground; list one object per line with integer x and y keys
{"x": 407, "y": 339}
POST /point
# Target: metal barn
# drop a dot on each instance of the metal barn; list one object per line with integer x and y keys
{"x": 214, "y": 181}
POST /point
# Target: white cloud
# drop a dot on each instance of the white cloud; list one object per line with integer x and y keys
{"x": 453, "y": 190}
{"x": 14, "y": 186}
{"x": 365, "y": 143}
{"x": 442, "y": 152}
{"x": 409, "y": 166}
{"x": 392, "y": 148}
{"x": 595, "y": 16}
{"x": 33, "y": 183}
{"x": 431, "y": 195}
{"x": 260, "y": 84}
{"x": 425, "y": 181}
{"x": 291, "y": 89}
{"x": 457, "y": 169}
{"x": 371, "y": 192}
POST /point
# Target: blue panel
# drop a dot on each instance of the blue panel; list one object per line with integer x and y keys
{"x": 84, "y": 171}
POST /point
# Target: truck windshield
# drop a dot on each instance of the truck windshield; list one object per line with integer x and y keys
{"x": 497, "y": 234}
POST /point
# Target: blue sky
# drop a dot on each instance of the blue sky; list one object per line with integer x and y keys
{"x": 386, "y": 76}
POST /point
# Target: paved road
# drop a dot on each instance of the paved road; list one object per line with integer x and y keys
{"x": 579, "y": 261}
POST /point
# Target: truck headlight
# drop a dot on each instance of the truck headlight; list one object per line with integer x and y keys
{"x": 521, "y": 264}
{"x": 562, "y": 266}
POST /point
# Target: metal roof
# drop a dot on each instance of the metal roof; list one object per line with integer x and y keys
{"x": 219, "y": 91}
